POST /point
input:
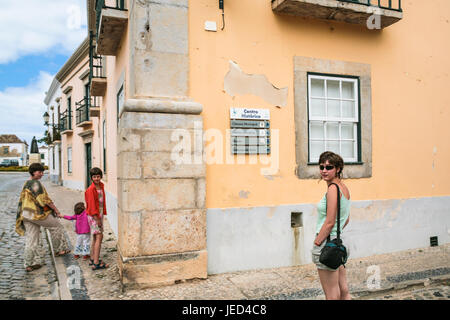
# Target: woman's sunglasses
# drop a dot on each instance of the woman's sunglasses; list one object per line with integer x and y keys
{"x": 321, "y": 167}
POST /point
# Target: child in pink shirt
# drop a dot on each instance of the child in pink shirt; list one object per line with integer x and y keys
{"x": 83, "y": 243}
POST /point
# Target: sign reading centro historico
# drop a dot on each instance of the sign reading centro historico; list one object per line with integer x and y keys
{"x": 250, "y": 131}
{"x": 253, "y": 114}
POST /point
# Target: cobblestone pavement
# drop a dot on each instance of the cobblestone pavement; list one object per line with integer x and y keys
{"x": 84, "y": 283}
{"x": 15, "y": 282}
{"x": 411, "y": 268}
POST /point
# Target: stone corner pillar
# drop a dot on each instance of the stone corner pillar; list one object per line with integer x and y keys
{"x": 161, "y": 172}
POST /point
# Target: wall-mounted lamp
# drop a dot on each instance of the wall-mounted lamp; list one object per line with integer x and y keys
{"x": 46, "y": 118}
{"x": 223, "y": 13}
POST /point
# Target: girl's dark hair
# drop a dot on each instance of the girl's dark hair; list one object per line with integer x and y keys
{"x": 35, "y": 167}
{"x": 334, "y": 159}
{"x": 78, "y": 208}
{"x": 96, "y": 171}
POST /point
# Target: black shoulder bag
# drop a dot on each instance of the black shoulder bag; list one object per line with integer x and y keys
{"x": 334, "y": 253}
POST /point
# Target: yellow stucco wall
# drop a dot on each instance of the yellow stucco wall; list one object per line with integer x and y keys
{"x": 410, "y": 104}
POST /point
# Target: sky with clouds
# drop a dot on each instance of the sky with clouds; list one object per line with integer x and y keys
{"x": 37, "y": 37}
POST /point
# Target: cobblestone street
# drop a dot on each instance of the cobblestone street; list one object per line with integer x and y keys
{"x": 15, "y": 282}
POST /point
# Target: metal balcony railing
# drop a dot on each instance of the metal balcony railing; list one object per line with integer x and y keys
{"x": 55, "y": 133}
{"x": 100, "y": 4}
{"x": 96, "y": 69}
{"x": 83, "y": 107}
{"x": 82, "y": 110}
{"x": 395, "y": 5}
{"x": 65, "y": 122}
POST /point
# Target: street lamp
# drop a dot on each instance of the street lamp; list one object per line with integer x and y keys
{"x": 46, "y": 118}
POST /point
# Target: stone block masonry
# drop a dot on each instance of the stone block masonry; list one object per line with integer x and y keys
{"x": 161, "y": 202}
{"x": 162, "y": 215}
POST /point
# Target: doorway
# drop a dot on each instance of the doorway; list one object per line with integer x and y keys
{"x": 88, "y": 163}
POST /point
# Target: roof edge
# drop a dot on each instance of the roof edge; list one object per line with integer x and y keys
{"x": 74, "y": 60}
{"x": 51, "y": 91}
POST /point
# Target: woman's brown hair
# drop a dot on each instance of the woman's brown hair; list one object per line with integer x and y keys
{"x": 334, "y": 159}
{"x": 96, "y": 171}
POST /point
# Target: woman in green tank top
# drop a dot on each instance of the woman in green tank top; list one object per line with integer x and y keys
{"x": 333, "y": 281}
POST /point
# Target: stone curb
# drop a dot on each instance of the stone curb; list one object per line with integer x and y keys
{"x": 56, "y": 291}
{"x": 63, "y": 265}
{"x": 63, "y": 292}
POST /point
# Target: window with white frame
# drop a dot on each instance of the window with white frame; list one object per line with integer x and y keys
{"x": 333, "y": 116}
{"x": 69, "y": 159}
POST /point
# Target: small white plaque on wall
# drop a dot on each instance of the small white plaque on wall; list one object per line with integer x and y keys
{"x": 210, "y": 26}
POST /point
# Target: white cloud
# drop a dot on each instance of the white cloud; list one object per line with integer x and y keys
{"x": 22, "y": 108}
{"x": 37, "y": 26}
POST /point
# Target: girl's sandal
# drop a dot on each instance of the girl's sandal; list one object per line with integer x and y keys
{"x": 91, "y": 262}
{"x": 100, "y": 265}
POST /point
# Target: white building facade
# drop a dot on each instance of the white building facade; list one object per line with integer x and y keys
{"x": 12, "y": 148}
{"x": 52, "y": 100}
{"x": 43, "y": 151}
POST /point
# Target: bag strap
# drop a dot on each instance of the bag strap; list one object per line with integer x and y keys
{"x": 338, "y": 213}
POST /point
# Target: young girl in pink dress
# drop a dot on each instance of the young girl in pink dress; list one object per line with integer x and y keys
{"x": 82, "y": 229}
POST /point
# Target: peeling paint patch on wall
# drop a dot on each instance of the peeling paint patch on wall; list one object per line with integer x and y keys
{"x": 237, "y": 82}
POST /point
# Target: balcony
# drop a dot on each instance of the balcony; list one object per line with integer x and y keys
{"x": 111, "y": 22}
{"x": 65, "y": 122}
{"x": 55, "y": 134}
{"x": 83, "y": 118}
{"x": 97, "y": 74}
{"x": 94, "y": 108}
{"x": 351, "y": 11}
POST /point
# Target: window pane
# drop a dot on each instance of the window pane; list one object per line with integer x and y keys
{"x": 316, "y": 130}
{"x": 348, "y": 150}
{"x": 316, "y": 148}
{"x": 348, "y": 90}
{"x": 347, "y": 130}
{"x": 333, "y": 89}
{"x": 333, "y": 146}
{"x": 348, "y": 109}
{"x": 317, "y": 88}
{"x": 332, "y": 130}
{"x": 317, "y": 107}
{"x": 334, "y": 109}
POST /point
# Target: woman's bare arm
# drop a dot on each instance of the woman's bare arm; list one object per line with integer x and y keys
{"x": 52, "y": 206}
